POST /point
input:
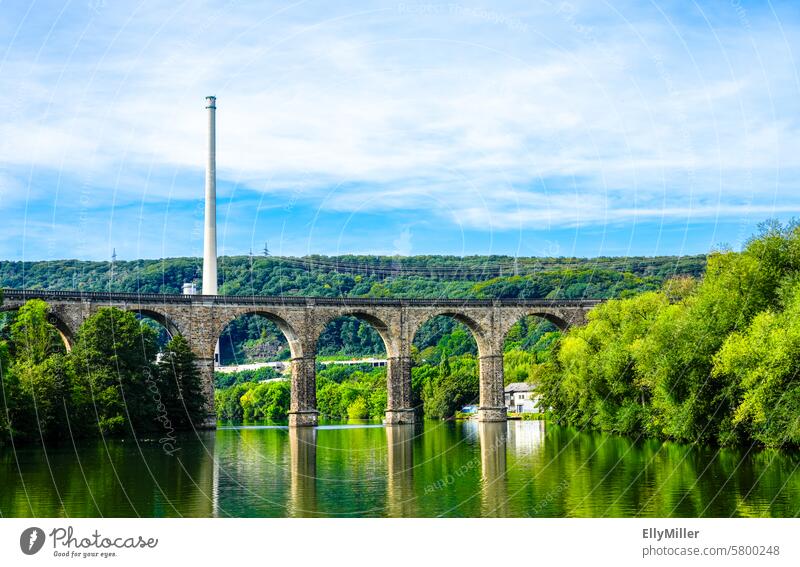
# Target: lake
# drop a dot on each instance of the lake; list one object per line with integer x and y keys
{"x": 460, "y": 469}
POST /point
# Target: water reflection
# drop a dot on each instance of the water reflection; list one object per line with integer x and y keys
{"x": 462, "y": 469}
{"x": 525, "y": 437}
{"x": 401, "y": 500}
{"x": 198, "y": 484}
{"x": 303, "y": 492}
{"x": 494, "y": 490}
{"x": 114, "y": 479}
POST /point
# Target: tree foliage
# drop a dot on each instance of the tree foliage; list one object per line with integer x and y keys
{"x": 108, "y": 384}
{"x": 181, "y": 385}
{"x": 712, "y": 361}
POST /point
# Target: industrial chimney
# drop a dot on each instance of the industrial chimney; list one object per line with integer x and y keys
{"x": 210, "y": 233}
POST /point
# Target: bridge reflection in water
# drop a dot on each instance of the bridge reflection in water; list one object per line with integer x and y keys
{"x": 494, "y": 493}
{"x": 303, "y": 467}
{"x": 454, "y": 469}
{"x": 275, "y": 471}
{"x": 400, "y": 496}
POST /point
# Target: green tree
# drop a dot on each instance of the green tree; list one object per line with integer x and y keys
{"x": 34, "y": 337}
{"x": 266, "y": 401}
{"x": 708, "y": 361}
{"x": 762, "y": 363}
{"x": 358, "y": 409}
{"x": 116, "y": 378}
{"x": 451, "y": 387}
{"x": 228, "y": 402}
{"x": 182, "y": 389}
{"x": 40, "y": 376}
{"x": 7, "y": 391}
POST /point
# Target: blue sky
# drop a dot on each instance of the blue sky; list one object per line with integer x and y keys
{"x": 520, "y": 128}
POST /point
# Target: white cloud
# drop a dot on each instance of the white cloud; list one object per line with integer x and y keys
{"x": 572, "y": 116}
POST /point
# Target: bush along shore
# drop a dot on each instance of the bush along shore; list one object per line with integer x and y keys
{"x": 701, "y": 360}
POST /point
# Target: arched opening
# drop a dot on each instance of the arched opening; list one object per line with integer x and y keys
{"x": 62, "y": 335}
{"x": 527, "y": 345}
{"x": 162, "y": 327}
{"x": 64, "y": 331}
{"x": 252, "y": 376}
{"x": 253, "y": 339}
{"x": 557, "y": 321}
{"x": 352, "y": 361}
{"x": 445, "y": 378}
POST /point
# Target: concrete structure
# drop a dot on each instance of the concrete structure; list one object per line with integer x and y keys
{"x": 520, "y": 398}
{"x": 210, "y": 232}
{"x": 278, "y": 366}
{"x": 374, "y": 362}
{"x": 203, "y": 318}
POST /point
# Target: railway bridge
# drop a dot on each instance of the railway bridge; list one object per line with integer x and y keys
{"x": 201, "y": 319}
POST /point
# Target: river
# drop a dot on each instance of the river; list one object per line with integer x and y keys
{"x": 462, "y": 469}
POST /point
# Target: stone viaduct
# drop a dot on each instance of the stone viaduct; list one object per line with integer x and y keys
{"x": 203, "y": 318}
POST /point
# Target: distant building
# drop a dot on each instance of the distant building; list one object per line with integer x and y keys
{"x": 190, "y": 288}
{"x": 374, "y": 362}
{"x": 520, "y": 398}
{"x": 278, "y": 366}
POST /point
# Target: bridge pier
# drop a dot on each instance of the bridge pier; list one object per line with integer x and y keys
{"x": 205, "y": 367}
{"x": 303, "y": 406}
{"x": 398, "y": 403}
{"x": 492, "y": 399}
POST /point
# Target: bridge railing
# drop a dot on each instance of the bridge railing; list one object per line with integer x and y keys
{"x": 112, "y": 297}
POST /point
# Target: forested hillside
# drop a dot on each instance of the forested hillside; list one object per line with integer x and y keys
{"x": 250, "y": 339}
{"x": 365, "y": 276}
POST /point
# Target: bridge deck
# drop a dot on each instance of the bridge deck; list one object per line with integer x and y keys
{"x": 111, "y": 297}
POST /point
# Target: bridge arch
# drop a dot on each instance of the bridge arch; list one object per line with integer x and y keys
{"x": 526, "y": 345}
{"x": 63, "y": 329}
{"x": 460, "y": 341}
{"x": 484, "y": 329}
{"x": 302, "y": 409}
{"x": 354, "y": 334}
{"x": 477, "y": 329}
{"x": 293, "y": 336}
{"x": 65, "y": 333}
{"x": 556, "y": 320}
{"x": 529, "y": 322}
{"x": 381, "y": 326}
{"x": 160, "y": 318}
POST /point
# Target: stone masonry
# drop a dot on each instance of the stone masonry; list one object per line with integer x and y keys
{"x": 202, "y": 319}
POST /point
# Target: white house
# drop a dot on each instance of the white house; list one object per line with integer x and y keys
{"x": 520, "y": 398}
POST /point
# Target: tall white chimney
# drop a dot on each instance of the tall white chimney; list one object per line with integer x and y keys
{"x": 210, "y": 234}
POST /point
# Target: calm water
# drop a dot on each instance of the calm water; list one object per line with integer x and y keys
{"x": 436, "y": 469}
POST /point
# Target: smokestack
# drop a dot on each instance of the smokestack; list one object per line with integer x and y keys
{"x": 210, "y": 234}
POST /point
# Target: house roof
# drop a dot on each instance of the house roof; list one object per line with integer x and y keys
{"x": 518, "y": 387}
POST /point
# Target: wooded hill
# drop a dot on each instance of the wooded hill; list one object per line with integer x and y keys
{"x": 365, "y": 276}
